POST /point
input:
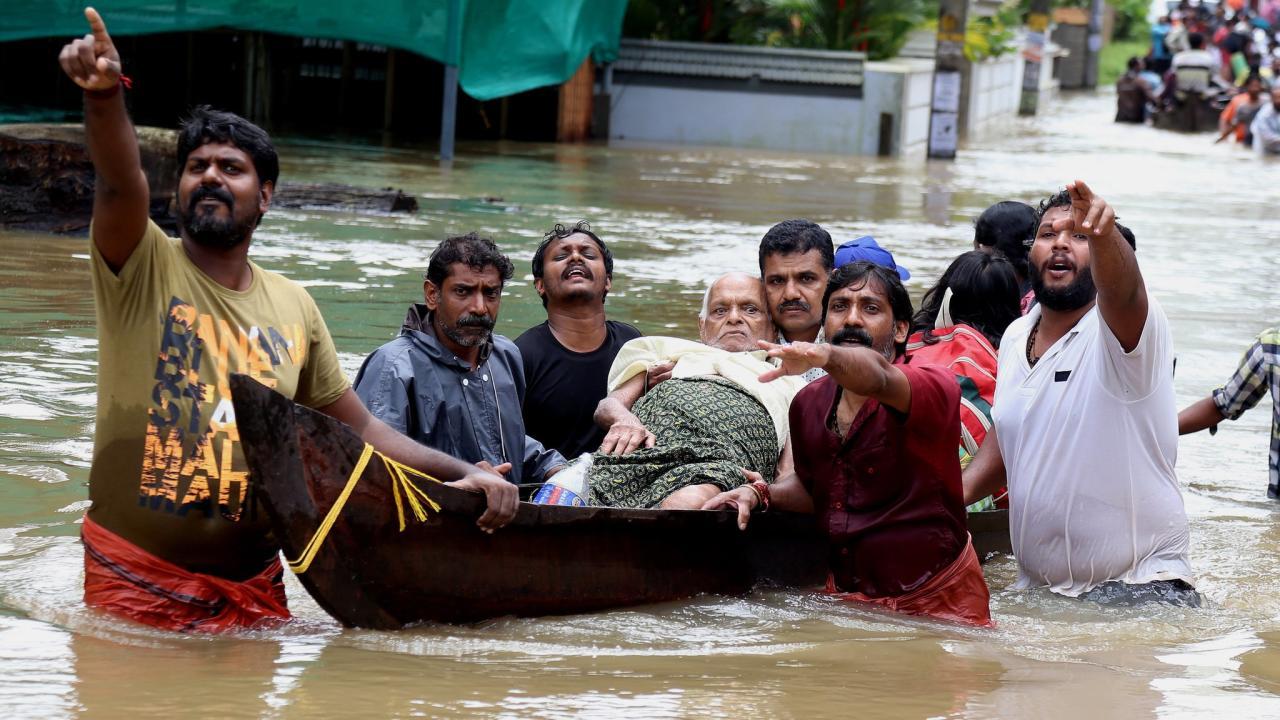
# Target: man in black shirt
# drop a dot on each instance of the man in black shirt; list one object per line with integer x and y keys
{"x": 567, "y": 358}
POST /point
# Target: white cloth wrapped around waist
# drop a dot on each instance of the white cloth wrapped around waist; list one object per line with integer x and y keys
{"x": 694, "y": 360}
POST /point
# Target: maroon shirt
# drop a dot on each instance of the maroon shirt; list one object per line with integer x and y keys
{"x": 888, "y": 495}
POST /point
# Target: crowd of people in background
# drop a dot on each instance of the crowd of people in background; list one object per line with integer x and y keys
{"x": 1227, "y": 57}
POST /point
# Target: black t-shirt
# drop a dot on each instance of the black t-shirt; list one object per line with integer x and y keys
{"x": 564, "y": 387}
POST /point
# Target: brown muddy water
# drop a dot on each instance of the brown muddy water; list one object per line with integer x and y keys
{"x": 676, "y": 217}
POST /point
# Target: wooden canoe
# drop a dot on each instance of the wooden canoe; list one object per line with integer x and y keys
{"x": 550, "y": 560}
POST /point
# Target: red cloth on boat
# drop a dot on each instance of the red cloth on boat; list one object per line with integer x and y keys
{"x": 123, "y": 579}
{"x": 959, "y": 593}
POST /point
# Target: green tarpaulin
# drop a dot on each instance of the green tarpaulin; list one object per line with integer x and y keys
{"x": 506, "y": 46}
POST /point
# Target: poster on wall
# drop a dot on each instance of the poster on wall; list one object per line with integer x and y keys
{"x": 945, "y": 116}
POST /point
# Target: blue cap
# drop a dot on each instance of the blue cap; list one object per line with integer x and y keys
{"x": 866, "y": 248}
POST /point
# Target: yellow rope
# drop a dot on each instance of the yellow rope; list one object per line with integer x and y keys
{"x": 303, "y": 562}
{"x": 400, "y": 481}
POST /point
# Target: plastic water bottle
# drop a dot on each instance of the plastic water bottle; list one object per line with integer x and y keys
{"x": 567, "y": 487}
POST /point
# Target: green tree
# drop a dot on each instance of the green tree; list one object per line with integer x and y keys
{"x": 877, "y": 27}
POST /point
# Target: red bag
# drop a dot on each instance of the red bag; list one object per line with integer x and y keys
{"x": 958, "y": 593}
{"x": 969, "y": 355}
{"x": 123, "y": 579}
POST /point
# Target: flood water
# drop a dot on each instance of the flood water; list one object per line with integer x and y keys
{"x": 675, "y": 218}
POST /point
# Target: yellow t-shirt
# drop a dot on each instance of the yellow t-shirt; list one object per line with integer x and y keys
{"x": 168, "y": 471}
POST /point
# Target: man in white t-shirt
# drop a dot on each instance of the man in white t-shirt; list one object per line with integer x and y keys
{"x": 1196, "y": 66}
{"x": 1086, "y": 428}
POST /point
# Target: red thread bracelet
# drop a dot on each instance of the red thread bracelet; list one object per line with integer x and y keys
{"x": 125, "y": 81}
{"x": 762, "y": 493}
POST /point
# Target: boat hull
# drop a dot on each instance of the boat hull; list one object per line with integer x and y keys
{"x": 550, "y": 560}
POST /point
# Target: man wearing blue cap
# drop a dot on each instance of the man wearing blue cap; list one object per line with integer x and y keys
{"x": 866, "y": 248}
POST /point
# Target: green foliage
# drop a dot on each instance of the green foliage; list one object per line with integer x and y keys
{"x": 1114, "y": 58}
{"x": 989, "y": 37}
{"x": 1131, "y": 19}
{"x": 877, "y": 27}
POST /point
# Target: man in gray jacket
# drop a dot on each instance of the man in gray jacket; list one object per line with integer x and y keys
{"x": 447, "y": 381}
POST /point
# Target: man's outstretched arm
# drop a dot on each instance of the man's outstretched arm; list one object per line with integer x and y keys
{"x": 1202, "y": 414}
{"x": 1122, "y": 294}
{"x": 121, "y": 197}
{"x": 502, "y": 497}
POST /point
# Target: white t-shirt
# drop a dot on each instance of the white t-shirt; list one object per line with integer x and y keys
{"x": 1089, "y": 438}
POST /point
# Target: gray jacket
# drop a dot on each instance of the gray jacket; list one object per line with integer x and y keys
{"x": 415, "y": 385}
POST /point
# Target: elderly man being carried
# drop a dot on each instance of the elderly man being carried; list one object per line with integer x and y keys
{"x": 684, "y": 441}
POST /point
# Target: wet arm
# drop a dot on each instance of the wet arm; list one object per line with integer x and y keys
{"x": 794, "y": 495}
{"x": 1122, "y": 294}
{"x": 501, "y": 496}
{"x": 789, "y": 494}
{"x": 986, "y": 474}
{"x": 1202, "y": 414}
{"x": 865, "y": 372}
{"x": 121, "y": 196}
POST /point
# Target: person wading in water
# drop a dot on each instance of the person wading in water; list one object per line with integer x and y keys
{"x": 875, "y": 457}
{"x": 173, "y": 537}
{"x": 1085, "y": 422}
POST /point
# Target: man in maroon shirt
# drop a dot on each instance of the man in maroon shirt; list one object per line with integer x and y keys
{"x": 874, "y": 444}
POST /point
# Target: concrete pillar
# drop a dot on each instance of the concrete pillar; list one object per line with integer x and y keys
{"x": 944, "y": 115}
{"x": 453, "y": 54}
{"x": 1033, "y": 55}
{"x": 1094, "y": 46}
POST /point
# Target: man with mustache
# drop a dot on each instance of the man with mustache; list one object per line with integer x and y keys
{"x": 796, "y": 256}
{"x": 448, "y": 381}
{"x": 174, "y": 537}
{"x": 1086, "y": 429}
{"x": 875, "y": 456}
{"x": 567, "y": 358}
{"x": 676, "y": 445}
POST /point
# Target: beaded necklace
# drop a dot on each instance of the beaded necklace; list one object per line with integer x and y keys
{"x": 1031, "y": 343}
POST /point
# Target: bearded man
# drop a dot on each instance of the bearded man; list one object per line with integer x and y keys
{"x": 174, "y": 537}
{"x": 447, "y": 381}
{"x": 1086, "y": 429}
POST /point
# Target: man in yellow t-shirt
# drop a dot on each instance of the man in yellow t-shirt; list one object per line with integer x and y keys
{"x": 173, "y": 537}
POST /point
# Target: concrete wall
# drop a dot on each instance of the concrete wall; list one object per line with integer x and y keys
{"x": 995, "y": 88}
{"x": 900, "y": 88}
{"x": 740, "y": 119}
{"x": 903, "y": 88}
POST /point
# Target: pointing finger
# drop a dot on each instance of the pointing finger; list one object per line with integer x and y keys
{"x": 1085, "y": 192}
{"x": 98, "y": 27}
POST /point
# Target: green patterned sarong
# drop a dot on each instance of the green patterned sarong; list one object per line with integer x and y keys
{"x": 706, "y": 430}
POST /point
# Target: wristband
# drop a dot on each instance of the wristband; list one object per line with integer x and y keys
{"x": 125, "y": 81}
{"x": 762, "y": 494}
